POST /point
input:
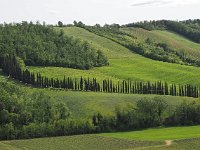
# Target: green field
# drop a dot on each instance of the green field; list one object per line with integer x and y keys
{"x": 192, "y": 144}
{"x": 85, "y": 104}
{"x": 178, "y": 137}
{"x": 172, "y": 133}
{"x": 80, "y": 142}
{"x": 124, "y": 64}
{"x": 110, "y": 48}
{"x": 175, "y": 41}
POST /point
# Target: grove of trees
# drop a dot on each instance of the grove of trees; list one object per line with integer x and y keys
{"x": 30, "y": 115}
{"x": 149, "y": 113}
{"x": 41, "y": 45}
{"x": 188, "y": 28}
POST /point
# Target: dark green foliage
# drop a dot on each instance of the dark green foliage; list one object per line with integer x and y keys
{"x": 149, "y": 113}
{"x": 101, "y": 59}
{"x": 149, "y": 48}
{"x": 25, "y": 115}
{"x": 151, "y": 25}
{"x": 188, "y": 28}
{"x": 185, "y": 30}
{"x": 11, "y": 67}
{"x": 33, "y": 115}
{"x": 40, "y": 45}
{"x": 186, "y": 113}
{"x": 60, "y": 24}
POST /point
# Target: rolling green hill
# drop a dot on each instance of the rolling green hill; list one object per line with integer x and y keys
{"x": 110, "y": 48}
{"x": 175, "y": 41}
{"x": 124, "y": 64}
{"x": 84, "y": 104}
{"x": 41, "y": 45}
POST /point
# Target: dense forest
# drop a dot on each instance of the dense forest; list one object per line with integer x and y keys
{"x": 25, "y": 115}
{"x": 149, "y": 48}
{"x": 40, "y": 45}
{"x": 188, "y": 28}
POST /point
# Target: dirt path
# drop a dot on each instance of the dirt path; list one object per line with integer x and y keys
{"x": 168, "y": 142}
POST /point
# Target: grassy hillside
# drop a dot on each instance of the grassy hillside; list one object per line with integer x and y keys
{"x": 85, "y": 104}
{"x": 41, "y": 45}
{"x": 180, "y": 145}
{"x": 111, "y": 49}
{"x": 124, "y": 64}
{"x": 175, "y": 41}
{"x": 83, "y": 142}
{"x": 173, "y": 133}
{"x": 174, "y": 138}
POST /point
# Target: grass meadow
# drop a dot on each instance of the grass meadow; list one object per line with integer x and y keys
{"x": 173, "y": 40}
{"x": 181, "y": 138}
{"x": 124, "y": 64}
{"x": 159, "y": 134}
{"x": 83, "y": 105}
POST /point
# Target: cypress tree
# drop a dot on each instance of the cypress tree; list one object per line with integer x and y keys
{"x": 81, "y": 83}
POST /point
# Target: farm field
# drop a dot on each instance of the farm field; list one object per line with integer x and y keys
{"x": 84, "y": 142}
{"x": 30, "y": 110}
{"x": 111, "y": 49}
{"x": 158, "y": 134}
{"x": 180, "y": 145}
{"x": 175, "y": 41}
{"x": 174, "y": 138}
{"x": 127, "y": 65}
{"x": 85, "y": 104}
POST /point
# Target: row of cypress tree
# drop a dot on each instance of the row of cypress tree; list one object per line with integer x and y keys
{"x": 11, "y": 67}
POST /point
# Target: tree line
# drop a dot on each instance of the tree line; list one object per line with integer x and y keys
{"x": 188, "y": 28}
{"x": 25, "y": 115}
{"x": 150, "y": 48}
{"x": 11, "y": 67}
{"x": 43, "y": 45}
{"x": 149, "y": 113}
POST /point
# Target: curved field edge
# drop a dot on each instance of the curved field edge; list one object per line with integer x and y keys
{"x": 158, "y": 134}
{"x": 111, "y": 49}
{"x": 185, "y": 144}
{"x": 83, "y": 142}
{"x": 85, "y": 104}
{"x": 124, "y": 64}
{"x": 173, "y": 40}
{"x": 99, "y": 142}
